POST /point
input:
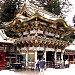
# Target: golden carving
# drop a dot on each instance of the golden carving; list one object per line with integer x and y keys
{"x": 38, "y": 21}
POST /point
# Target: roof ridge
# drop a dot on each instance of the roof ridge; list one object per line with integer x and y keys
{"x": 31, "y": 6}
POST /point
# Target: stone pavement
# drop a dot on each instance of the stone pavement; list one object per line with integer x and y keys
{"x": 27, "y": 72}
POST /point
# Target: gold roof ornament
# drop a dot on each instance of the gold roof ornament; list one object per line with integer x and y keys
{"x": 36, "y": 41}
{"x": 60, "y": 16}
{"x": 18, "y": 15}
{"x": 36, "y": 34}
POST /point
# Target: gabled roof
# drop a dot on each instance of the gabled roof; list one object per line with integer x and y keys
{"x": 31, "y": 9}
{"x": 36, "y": 15}
{"x": 24, "y": 19}
{"x": 35, "y": 12}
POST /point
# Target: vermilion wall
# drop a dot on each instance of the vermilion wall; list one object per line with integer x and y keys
{"x": 2, "y": 62}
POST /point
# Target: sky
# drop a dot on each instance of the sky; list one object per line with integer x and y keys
{"x": 71, "y": 13}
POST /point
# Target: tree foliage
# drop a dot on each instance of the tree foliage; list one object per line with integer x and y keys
{"x": 69, "y": 37}
{"x": 8, "y": 10}
{"x": 11, "y": 34}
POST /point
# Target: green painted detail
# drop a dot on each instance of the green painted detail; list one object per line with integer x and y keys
{"x": 29, "y": 58}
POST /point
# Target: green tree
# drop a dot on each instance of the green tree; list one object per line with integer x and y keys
{"x": 11, "y": 34}
{"x": 8, "y": 10}
{"x": 69, "y": 37}
{"x": 54, "y": 6}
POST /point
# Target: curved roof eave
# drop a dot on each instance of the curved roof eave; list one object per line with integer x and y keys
{"x": 64, "y": 23}
{"x": 36, "y": 15}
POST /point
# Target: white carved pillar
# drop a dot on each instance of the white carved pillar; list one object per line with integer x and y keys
{"x": 35, "y": 57}
{"x": 62, "y": 56}
{"x": 45, "y": 55}
{"x": 55, "y": 56}
{"x": 62, "y": 53}
{"x": 27, "y": 58}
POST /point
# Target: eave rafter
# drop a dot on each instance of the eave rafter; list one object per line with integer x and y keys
{"x": 43, "y": 43}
